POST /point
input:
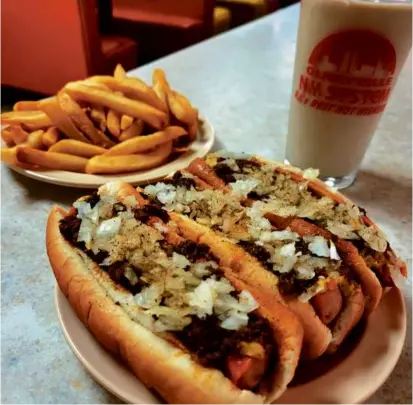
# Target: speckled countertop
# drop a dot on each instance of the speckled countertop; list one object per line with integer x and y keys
{"x": 242, "y": 82}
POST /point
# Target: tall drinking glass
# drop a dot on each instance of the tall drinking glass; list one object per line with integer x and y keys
{"x": 348, "y": 57}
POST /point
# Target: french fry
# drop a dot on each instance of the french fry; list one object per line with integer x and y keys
{"x": 18, "y": 134}
{"x": 31, "y": 120}
{"x": 131, "y": 163}
{"x": 51, "y": 160}
{"x": 125, "y": 122}
{"x": 159, "y": 77}
{"x": 113, "y": 122}
{"x": 25, "y": 106}
{"x": 134, "y": 130}
{"x": 7, "y": 136}
{"x": 45, "y": 100}
{"x": 81, "y": 120}
{"x": 137, "y": 109}
{"x": 119, "y": 71}
{"x": 142, "y": 143}
{"x": 9, "y": 156}
{"x": 50, "y": 137}
{"x": 133, "y": 88}
{"x": 90, "y": 83}
{"x": 181, "y": 108}
{"x": 98, "y": 116}
{"x": 77, "y": 148}
{"x": 181, "y": 149}
{"x": 193, "y": 131}
{"x": 60, "y": 119}
{"x": 161, "y": 86}
{"x": 35, "y": 139}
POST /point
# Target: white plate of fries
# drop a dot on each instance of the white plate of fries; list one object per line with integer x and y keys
{"x": 104, "y": 128}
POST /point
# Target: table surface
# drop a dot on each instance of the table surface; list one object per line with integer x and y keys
{"x": 241, "y": 81}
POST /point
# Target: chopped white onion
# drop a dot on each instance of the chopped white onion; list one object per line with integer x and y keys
{"x": 311, "y": 292}
{"x": 255, "y": 212}
{"x": 159, "y": 326}
{"x": 130, "y": 201}
{"x": 131, "y": 275}
{"x": 241, "y": 188}
{"x": 375, "y": 238}
{"x": 311, "y": 174}
{"x": 107, "y": 261}
{"x": 333, "y": 251}
{"x": 202, "y": 299}
{"x": 201, "y": 269}
{"x": 150, "y": 296}
{"x": 235, "y": 321}
{"x": 169, "y": 318}
{"x": 175, "y": 283}
{"x": 319, "y": 246}
{"x": 341, "y": 230}
{"x": 288, "y": 250}
{"x": 231, "y": 163}
{"x": 225, "y": 303}
{"x": 180, "y": 261}
{"x": 85, "y": 232}
{"x": 84, "y": 209}
{"x": 305, "y": 273}
{"x": 247, "y": 301}
{"x": 288, "y": 264}
{"x": 222, "y": 286}
{"x": 160, "y": 227}
{"x": 279, "y": 235}
{"x": 165, "y": 193}
{"x": 108, "y": 228}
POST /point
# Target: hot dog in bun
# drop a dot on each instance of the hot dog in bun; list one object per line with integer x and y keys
{"x": 152, "y": 293}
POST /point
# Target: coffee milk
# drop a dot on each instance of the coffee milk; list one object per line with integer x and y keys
{"x": 348, "y": 57}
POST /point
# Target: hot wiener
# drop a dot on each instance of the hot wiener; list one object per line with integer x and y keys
{"x": 150, "y": 292}
{"x": 291, "y": 192}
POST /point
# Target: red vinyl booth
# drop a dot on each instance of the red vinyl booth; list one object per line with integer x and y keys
{"x": 163, "y": 26}
{"x": 47, "y": 43}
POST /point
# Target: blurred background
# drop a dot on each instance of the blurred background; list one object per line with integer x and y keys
{"x": 47, "y": 43}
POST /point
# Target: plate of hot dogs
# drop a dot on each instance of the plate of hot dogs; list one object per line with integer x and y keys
{"x": 234, "y": 280}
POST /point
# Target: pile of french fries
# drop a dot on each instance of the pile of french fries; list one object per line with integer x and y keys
{"x": 101, "y": 125}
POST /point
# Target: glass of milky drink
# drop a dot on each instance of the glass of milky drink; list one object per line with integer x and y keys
{"x": 348, "y": 57}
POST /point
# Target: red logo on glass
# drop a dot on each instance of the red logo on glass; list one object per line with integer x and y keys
{"x": 349, "y": 73}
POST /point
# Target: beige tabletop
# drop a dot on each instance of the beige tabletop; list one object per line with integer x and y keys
{"x": 241, "y": 81}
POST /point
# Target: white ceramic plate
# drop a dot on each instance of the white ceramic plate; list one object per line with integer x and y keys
{"x": 350, "y": 377}
{"x": 199, "y": 148}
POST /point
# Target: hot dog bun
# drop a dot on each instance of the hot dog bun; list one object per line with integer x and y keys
{"x": 155, "y": 361}
{"x": 320, "y": 189}
{"x": 289, "y": 339}
{"x": 384, "y": 266}
{"x": 171, "y": 370}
